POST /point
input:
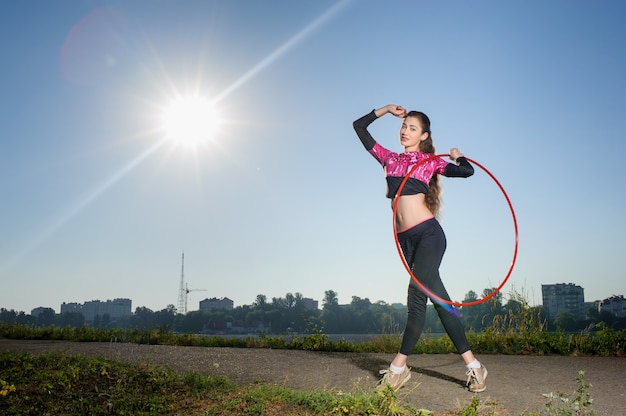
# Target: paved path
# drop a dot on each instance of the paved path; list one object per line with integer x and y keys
{"x": 515, "y": 385}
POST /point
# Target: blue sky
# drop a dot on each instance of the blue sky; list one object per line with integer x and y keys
{"x": 97, "y": 205}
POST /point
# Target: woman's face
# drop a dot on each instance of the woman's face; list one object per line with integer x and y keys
{"x": 411, "y": 134}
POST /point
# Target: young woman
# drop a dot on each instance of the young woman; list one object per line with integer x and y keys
{"x": 419, "y": 234}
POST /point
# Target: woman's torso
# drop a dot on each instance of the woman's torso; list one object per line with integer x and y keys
{"x": 410, "y": 211}
{"x": 421, "y": 167}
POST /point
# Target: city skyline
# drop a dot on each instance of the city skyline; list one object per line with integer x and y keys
{"x": 101, "y": 194}
{"x": 269, "y": 298}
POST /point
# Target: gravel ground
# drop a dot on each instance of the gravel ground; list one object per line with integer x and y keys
{"x": 515, "y": 384}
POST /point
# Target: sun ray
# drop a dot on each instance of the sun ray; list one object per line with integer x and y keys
{"x": 298, "y": 37}
{"x": 86, "y": 200}
{"x": 174, "y": 92}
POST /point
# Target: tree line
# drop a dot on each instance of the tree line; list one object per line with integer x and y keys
{"x": 291, "y": 314}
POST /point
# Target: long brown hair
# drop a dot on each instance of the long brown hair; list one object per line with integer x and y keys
{"x": 433, "y": 197}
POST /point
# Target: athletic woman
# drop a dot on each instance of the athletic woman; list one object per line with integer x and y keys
{"x": 420, "y": 236}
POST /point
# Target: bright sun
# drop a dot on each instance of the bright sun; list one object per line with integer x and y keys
{"x": 190, "y": 121}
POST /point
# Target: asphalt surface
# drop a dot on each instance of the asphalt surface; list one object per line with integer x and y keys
{"x": 515, "y": 386}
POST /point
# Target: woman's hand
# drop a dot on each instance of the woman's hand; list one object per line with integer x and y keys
{"x": 455, "y": 154}
{"x": 396, "y": 110}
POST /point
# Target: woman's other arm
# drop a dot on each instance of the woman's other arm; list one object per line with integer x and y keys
{"x": 461, "y": 170}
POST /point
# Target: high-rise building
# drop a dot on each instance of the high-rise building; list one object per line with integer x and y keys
{"x": 563, "y": 297}
{"x": 115, "y": 308}
{"x": 38, "y": 311}
{"x": 216, "y": 303}
{"x": 71, "y": 307}
{"x": 615, "y": 305}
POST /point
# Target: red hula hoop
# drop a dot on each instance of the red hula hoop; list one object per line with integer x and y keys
{"x": 408, "y": 268}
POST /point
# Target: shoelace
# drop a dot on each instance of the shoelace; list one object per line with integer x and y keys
{"x": 387, "y": 374}
{"x": 471, "y": 374}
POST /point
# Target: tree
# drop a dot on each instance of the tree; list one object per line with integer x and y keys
{"x": 361, "y": 316}
{"x": 565, "y": 320}
{"x": 8, "y": 316}
{"x": 256, "y": 317}
{"x": 360, "y": 305}
{"x": 72, "y": 319}
{"x": 593, "y": 314}
{"x": 491, "y": 307}
{"x": 389, "y": 319}
{"x": 290, "y": 300}
{"x": 433, "y": 323}
{"x": 106, "y": 321}
{"x": 330, "y": 299}
{"x": 197, "y": 321}
{"x": 46, "y": 318}
{"x": 165, "y": 317}
{"x": 472, "y": 315}
{"x": 276, "y": 321}
{"x": 260, "y": 302}
{"x": 143, "y": 317}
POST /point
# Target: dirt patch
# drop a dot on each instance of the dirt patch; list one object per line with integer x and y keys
{"x": 515, "y": 384}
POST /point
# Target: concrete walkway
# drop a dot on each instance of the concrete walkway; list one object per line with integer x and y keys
{"x": 515, "y": 385}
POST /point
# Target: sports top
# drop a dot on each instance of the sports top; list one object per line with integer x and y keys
{"x": 398, "y": 165}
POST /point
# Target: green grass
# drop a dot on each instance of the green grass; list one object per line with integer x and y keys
{"x": 57, "y": 384}
{"x": 603, "y": 342}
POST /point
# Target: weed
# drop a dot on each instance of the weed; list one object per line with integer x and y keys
{"x": 561, "y": 405}
{"x": 6, "y": 388}
{"x": 316, "y": 341}
{"x": 472, "y": 408}
{"x": 476, "y": 408}
{"x": 381, "y": 403}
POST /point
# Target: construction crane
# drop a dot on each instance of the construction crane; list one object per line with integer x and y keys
{"x": 184, "y": 290}
{"x": 187, "y": 290}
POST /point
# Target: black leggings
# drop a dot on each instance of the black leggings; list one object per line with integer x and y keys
{"x": 423, "y": 246}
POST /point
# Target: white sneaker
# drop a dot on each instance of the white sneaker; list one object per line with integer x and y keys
{"x": 392, "y": 379}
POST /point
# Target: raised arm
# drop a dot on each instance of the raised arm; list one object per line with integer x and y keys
{"x": 396, "y": 110}
{"x": 360, "y": 125}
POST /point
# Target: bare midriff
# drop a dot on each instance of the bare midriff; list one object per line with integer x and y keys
{"x": 411, "y": 211}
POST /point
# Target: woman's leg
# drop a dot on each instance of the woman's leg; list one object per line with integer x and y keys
{"x": 423, "y": 250}
{"x": 476, "y": 372}
{"x": 398, "y": 373}
{"x": 423, "y": 247}
{"x": 416, "y": 317}
{"x": 449, "y": 318}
